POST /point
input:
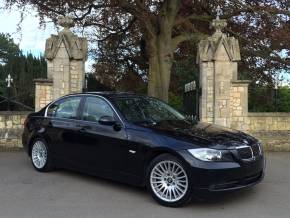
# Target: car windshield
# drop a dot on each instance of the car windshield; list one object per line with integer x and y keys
{"x": 145, "y": 109}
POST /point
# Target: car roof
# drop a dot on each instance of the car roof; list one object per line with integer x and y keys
{"x": 110, "y": 94}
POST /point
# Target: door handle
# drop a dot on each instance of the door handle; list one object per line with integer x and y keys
{"x": 84, "y": 128}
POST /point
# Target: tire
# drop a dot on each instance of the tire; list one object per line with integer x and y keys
{"x": 168, "y": 181}
{"x": 40, "y": 156}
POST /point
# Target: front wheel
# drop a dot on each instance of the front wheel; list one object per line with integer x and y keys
{"x": 168, "y": 181}
{"x": 40, "y": 156}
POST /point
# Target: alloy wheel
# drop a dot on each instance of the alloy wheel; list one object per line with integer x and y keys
{"x": 39, "y": 154}
{"x": 169, "y": 181}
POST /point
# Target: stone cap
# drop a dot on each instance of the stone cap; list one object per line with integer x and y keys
{"x": 208, "y": 49}
{"x": 241, "y": 82}
{"x": 76, "y": 47}
{"x": 43, "y": 81}
{"x": 11, "y": 113}
{"x": 268, "y": 114}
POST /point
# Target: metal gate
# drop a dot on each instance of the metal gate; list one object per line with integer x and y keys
{"x": 191, "y": 100}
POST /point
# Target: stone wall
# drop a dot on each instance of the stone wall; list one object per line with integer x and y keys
{"x": 66, "y": 54}
{"x": 11, "y": 127}
{"x": 239, "y": 105}
{"x": 43, "y": 93}
{"x": 241, "y": 119}
{"x": 77, "y": 76}
{"x": 218, "y": 57}
{"x": 268, "y": 122}
{"x": 224, "y": 98}
{"x": 274, "y": 140}
{"x": 262, "y": 122}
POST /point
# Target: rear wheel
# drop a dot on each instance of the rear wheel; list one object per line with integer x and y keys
{"x": 40, "y": 156}
{"x": 168, "y": 181}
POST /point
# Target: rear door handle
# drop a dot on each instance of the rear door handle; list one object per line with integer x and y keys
{"x": 84, "y": 128}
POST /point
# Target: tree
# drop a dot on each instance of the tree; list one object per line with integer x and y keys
{"x": 23, "y": 69}
{"x": 161, "y": 26}
{"x": 7, "y": 48}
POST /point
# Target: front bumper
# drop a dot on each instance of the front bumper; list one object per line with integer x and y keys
{"x": 224, "y": 176}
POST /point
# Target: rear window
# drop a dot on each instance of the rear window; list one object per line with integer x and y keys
{"x": 65, "y": 108}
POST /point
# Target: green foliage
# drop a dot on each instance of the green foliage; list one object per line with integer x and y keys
{"x": 284, "y": 99}
{"x": 8, "y": 48}
{"x": 176, "y": 101}
{"x": 94, "y": 85}
{"x": 23, "y": 69}
{"x": 267, "y": 99}
{"x": 184, "y": 70}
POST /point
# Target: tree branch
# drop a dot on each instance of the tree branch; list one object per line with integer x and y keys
{"x": 186, "y": 37}
{"x": 204, "y": 18}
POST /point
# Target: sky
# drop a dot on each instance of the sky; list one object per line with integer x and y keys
{"x": 31, "y": 38}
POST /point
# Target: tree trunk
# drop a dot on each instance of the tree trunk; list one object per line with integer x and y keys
{"x": 160, "y": 63}
{"x": 160, "y": 50}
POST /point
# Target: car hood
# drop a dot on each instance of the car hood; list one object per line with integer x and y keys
{"x": 202, "y": 134}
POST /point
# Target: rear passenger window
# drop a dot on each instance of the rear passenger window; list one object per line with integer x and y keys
{"x": 65, "y": 108}
{"x": 95, "y": 108}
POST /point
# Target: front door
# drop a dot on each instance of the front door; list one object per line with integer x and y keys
{"x": 101, "y": 144}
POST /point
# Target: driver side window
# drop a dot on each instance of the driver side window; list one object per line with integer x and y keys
{"x": 95, "y": 108}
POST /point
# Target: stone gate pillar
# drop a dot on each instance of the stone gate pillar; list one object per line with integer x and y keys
{"x": 217, "y": 58}
{"x": 66, "y": 54}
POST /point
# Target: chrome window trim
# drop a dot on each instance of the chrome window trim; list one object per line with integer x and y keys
{"x": 84, "y": 95}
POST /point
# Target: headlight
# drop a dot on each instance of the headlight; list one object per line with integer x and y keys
{"x": 206, "y": 154}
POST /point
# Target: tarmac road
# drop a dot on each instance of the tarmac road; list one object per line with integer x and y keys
{"x": 25, "y": 193}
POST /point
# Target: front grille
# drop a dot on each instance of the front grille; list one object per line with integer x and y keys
{"x": 245, "y": 152}
{"x": 249, "y": 152}
{"x": 256, "y": 149}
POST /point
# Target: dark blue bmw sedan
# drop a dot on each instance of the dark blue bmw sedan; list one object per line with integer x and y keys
{"x": 141, "y": 141}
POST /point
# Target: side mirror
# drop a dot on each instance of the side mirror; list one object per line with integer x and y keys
{"x": 107, "y": 120}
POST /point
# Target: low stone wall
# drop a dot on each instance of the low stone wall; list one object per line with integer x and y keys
{"x": 273, "y": 129}
{"x": 268, "y": 122}
{"x": 262, "y": 122}
{"x": 11, "y": 127}
{"x": 274, "y": 140}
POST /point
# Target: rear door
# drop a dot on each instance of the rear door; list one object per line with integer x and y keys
{"x": 63, "y": 129}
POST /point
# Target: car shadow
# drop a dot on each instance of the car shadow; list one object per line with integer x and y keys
{"x": 100, "y": 181}
{"x": 200, "y": 201}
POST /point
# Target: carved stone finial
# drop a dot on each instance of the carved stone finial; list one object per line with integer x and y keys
{"x": 218, "y": 25}
{"x": 66, "y": 22}
{"x": 219, "y": 12}
{"x": 66, "y": 8}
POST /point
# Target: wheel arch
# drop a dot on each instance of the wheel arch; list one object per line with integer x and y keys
{"x": 155, "y": 153}
{"x": 33, "y": 138}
